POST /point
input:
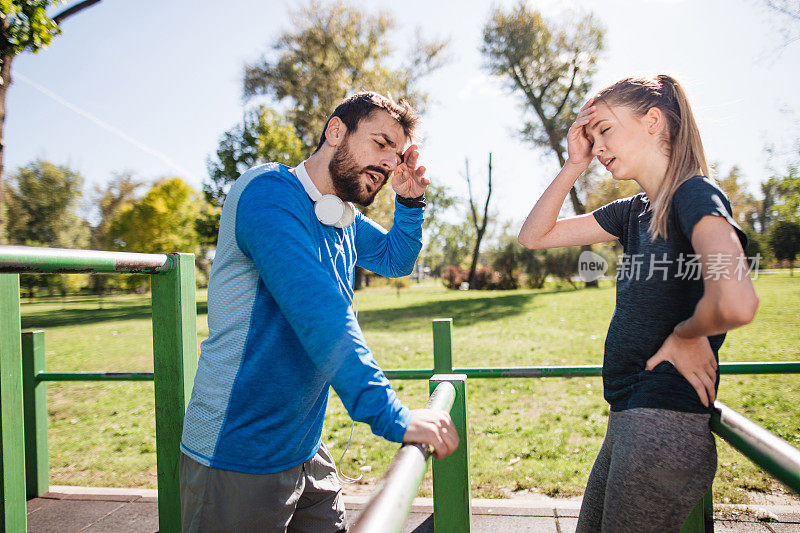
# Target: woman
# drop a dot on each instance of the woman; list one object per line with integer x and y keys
{"x": 682, "y": 283}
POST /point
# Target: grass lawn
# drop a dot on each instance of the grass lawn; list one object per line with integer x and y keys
{"x": 525, "y": 434}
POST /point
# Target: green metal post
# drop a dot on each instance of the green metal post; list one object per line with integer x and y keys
{"x": 34, "y": 393}
{"x": 701, "y": 519}
{"x": 13, "y": 516}
{"x": 443, "y": 346}
{"x": 708, "y": 510}
{"x": 452, "y": 510}
{"x": 174, "y": 367}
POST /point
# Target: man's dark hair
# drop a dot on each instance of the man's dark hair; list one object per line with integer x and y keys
{"x": 361, "y": 105}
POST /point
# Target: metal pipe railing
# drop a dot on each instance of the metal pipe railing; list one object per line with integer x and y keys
{"x": 763, "y": 447}
{"x": 93, "y": 376}
{"x": 790, "y": 367}
{"x": 390, "y": 504}
{"x": 34, "y": 259}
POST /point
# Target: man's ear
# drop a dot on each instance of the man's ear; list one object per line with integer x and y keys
{"x": 654, "y": 120}
{"x": 335, "y": 131}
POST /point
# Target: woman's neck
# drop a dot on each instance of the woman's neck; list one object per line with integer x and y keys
{"x": 651, "y": 178}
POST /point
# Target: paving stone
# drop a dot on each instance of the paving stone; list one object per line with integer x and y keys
{"x": 134, "y": 517}
{"x": 66, "y": 516}
{"x": 567, "y": 524}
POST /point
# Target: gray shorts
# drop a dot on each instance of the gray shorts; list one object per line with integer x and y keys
{"x": 304, "y": 498}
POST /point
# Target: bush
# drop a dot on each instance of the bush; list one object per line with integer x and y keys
{"x": 563, "y": 263}
{"x": 485, "y": 279}
{"x": 453, "y": 276}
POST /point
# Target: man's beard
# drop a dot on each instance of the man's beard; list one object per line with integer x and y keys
{"x": 346, "y": 176}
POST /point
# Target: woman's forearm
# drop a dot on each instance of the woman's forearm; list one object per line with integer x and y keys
{"x": 713, "y": 316}
{"x": 544, "y": 214}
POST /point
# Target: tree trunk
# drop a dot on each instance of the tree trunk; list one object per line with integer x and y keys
{"x": 475, "y": 253}
{"x": 5, "y": 72}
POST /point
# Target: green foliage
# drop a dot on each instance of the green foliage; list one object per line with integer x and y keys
{"x": 331, "y": 51}
{"x": 450, "y": 244}
{"x": 119, "y": 193}
{"x": 549, "y": 66}
{"x": 43, "y": 203}
{"x": 600, "y": 191}
{"x": 162, "y": 221}
{"x": 745, "y": 206}
{"x": 784, "y": 240}
{"x": 262, "y": 137}
{"x": 26, "y": 26}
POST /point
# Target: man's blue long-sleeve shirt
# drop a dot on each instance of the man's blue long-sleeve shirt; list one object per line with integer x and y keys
{"x": 282, "y": 330}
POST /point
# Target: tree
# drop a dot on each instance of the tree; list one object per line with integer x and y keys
{"x": 788, "y": 12}
{"x": 43, "y": 202}
{"x": 161, "y": 221}
{"x": 551, "y": 68}
{"x": 447, "y": 246}
{"x": 261, "y": 137}
{"x": 25, "y": 26}
{"x": 784, "y": 240}
{"x": 745, "y": 206}
{"x": 330, "y": 52}
{"x": 479, "y": 223}
{"x": 120, "y": 193}
{"x": 600, "y": 190}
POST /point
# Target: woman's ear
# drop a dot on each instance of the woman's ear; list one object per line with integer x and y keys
{"x": 654, "y": 120}
{"x": 335, "y": 131}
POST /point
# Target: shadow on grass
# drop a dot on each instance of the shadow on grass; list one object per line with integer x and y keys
{"x": 464, "y": 312}
{"x": 111, "y": 311}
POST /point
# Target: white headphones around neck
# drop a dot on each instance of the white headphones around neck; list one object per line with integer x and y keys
{"x": 329, "y": 208}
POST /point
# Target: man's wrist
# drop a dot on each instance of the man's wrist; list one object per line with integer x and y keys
{"x": 417, "y": 202}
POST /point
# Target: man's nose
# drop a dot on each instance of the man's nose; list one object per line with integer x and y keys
{"x": 389, "y": 164}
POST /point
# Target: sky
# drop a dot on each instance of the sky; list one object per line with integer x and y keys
{"x": 150, "y": 86}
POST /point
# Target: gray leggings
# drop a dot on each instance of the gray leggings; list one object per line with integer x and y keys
{"x": 653, "y": 468}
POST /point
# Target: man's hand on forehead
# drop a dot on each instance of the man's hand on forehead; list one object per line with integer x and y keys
{"x": 409, "y": 180}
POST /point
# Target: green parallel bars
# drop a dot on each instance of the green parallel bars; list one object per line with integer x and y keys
{"x": 174, "y": 367}
{"x": 34, "y": 392}
{"x": 13, "y": 516}
{"x": 452, "y": 508}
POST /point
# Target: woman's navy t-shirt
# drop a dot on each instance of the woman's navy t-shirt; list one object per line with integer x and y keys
{"x": 658, "y": 285}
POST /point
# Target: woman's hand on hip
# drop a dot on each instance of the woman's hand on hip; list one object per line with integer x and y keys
{"x": 695, "y": 361}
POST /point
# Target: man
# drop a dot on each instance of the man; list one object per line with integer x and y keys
{"x": 282, "y": 328}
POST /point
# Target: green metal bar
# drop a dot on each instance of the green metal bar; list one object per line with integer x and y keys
{"x": 409, "y": 373}
{"x": 443, "y": 346}
{"x": 532, "y": 372}
{"x": 13, "y": 516}
{"x": 28, "y": 259}
{"x": 37, "y": 462}
{"x": 452, "y": 507}
{"x": 174, "y": 365}
{"x": 391, "y": 502}
{"x": 93, "y": 376}
{"x": 790, "y": 367}
{"x": 763, "y": 447}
